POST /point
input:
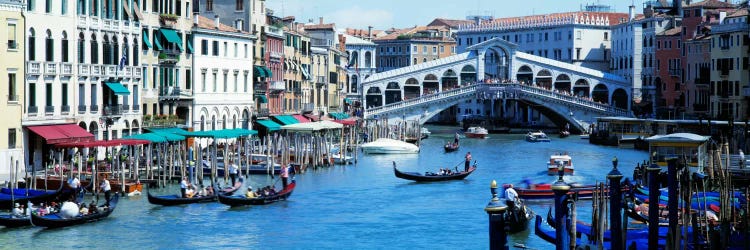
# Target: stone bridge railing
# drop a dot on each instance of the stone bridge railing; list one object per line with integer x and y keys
{"x": 517, "y": 88}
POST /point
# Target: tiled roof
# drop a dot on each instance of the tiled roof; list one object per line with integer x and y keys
{"x": 614, "y": 18}
{"x": 453, "y": 23}
{"x": 324, "y": 26}
{"x": 739, "y": 13}
{"x": 207, "y": 23}
{"x": 711, "y": 4}
{"x": 672, "y": 31}
{"x": 396, "y": 33}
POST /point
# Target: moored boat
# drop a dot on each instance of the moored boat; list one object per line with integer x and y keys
{"x": 11, "y": 221}
{"x": 173, "y": 200}
{"x": 56, "y": 220}
{"x": 425, "y": 133}
{"x": 234, "y": 200}
{"x": 22, "y": 195}
{"x": 431, "y": 177}
{"x": 339, "y": 158}
{"x": 476, "y": 132}
{"x": 537, "y": 136}
{"x": 389, "y": 146}
{"x": 560, "y": 160}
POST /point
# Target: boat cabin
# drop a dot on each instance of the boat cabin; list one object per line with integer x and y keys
{"x": 694, "y": 149}
{"x": 562, "y": 159}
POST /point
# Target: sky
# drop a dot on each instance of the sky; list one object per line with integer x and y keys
{"x": 385, "y": 14}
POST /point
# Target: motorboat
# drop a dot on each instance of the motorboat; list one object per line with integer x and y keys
{"x": 560, "y": 160}
{"x": 476, "y": 132}
{"x": 389, "y": 146}
{"x": 537, "y": 136}
{"x": 425, "y": 133}
{"x": 340, "y": 158}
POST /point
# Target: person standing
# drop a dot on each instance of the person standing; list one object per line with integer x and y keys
{"x": 467, "y": 162}
{"x": 742, "y": 159}
{"x": 510, "y": 196}
{"x": 455, "y": 139}
{"x": 107, "y": 189}
{"x": 183, "y": 187}
{"x": 233, "y": 169}
{"x": 285, "y": 175}
{"x": 75, "y": 184}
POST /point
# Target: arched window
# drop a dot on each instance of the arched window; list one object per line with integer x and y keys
{"x": 368, "y": 59}
{"x": 32, "y": 45}
{"x": 64, "y": 47}
{"x": 81, "y": 48}
{"x": 203, "y": 123}
{"x": 106, "y": 57}
{"x": 135, "y": 52}
{"x": 125, "y": 52}
{"x": 94, "y": 50}
{"x": 49, "y": 53}
{"x": 115, "y": 51}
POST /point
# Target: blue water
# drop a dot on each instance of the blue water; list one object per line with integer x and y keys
{"x": 348, "y": 207}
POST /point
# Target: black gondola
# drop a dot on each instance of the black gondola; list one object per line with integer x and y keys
{"x": 235, "y": 201}
{"x": 8, "y": 220}
{"x": 518, "y": 218}
{"x": 450, "y": 147}
{"x": 56, "y": 221}
{"x": 35, "y": 196}
{"x": 173, "y": 200}
{"x": 414, "y": 176}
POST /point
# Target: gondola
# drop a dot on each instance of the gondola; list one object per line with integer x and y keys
{"x": 518, "y": 219}
{"x": 10, "y": 221}
{"x": 174, "y": 200}
{"x": 55, "y": 221}
{"x": 19, "y": 194}
{"x": 428, "y": 177}
{"x": 235, "y": 201}
{"x": 450, "y": 147}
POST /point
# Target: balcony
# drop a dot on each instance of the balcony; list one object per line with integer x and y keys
{"x": 50, "y": 68}
{"x": 169, "y": 57}
{"x": 126, "y": 108}
{"x": 320, "y": 81}
{"x": 275, "y": 54}
{"x": 729, "y": 27}
{"x": 137, "y": 72}
{"x": 111, "y": 70}
{"x": 113, "y": 110}
{"x": 33, "y": 110}
{"x": 128, "y": 71}
{"x": 168, "y": 20}
{"x": 65, "y": 109}
{"x": 82, "y": 21}
{"x": 277, "y": 85}
{"x": 81, "y": 109}
{"x": 263, "y": 112}
{"x": 96, "y": 70}
{"x": 83, "y": 70}
{"x": 67, "y": 69}
{"x": 136, "y": 108}
{"x": 169, "y": 93}
{"x": 308, "y": 107}
{"x": 274, "y": 31}
{"x": 94, "y": 22}
{"x": 49, "y": 110}
{"x": 34, "y": 68}
{"x": 675, "y": 72}
{"x": 94, "y": 109}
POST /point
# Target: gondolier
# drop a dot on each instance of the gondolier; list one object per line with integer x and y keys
{"x": 233, "y": 171}
{"x": 510, "y": 196}
{"x": 107, "y": 190}
{"x": 467, "y": 163}
{"x": 285, "y": 175}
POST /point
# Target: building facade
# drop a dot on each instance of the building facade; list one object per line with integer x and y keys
{"x": 223, "y": 95}
{"x": 627, "y": 47}
{"x": 362, "y": 64}
{"x": 730, "y": 71}
{"x": 413, "y": 46}
{"x": 12, "y": 68}
{"x": 297, "y": 79}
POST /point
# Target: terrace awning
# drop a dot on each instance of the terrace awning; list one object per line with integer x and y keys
{"x": 117, "y": 88}
{"x": 172, "y": 37}
{"x": 312, "y": 126}
{"x": 286, "y": 119}
{"x": 261, "y": 98}
{"x": 145, "y": 39}
{"x": 103, "y": 143}
{"x": 301, "y": 118}
{"x": 63, "y": 133}
{"x": 270, "y": 125}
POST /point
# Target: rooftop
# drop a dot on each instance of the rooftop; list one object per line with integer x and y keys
{"x": 546, "y": 20}
{"x": 710, "y": 4}
{"x": 452, "y": 23}
{"x": 207, "y": 23}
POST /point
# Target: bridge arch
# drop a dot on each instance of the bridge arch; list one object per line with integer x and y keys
{"x": 620, "y": 98}
{"x": 544, "y": 79}
{"x": 496, "y": 62}
{"x": 468, "y": 74}
{"x": 525, "y": 74}
{"x": 449, "y": 80}
{"x": 581, "y": 88}
{"x": 430, "y": 84}
{"x": 374, "y": 97}
{"x": 562, "y": 83}
{"x": 600, "y": 93}
{"x": 392, "y": 93}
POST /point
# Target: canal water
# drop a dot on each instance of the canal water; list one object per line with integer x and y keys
{"x": 346, "y": 207}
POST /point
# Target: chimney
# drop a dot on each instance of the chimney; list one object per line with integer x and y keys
{"x": 196, "y": 19}
{"x": 631, "y": 12}
{"x": 648, "y": 12}
{"x": 216, "y": 21}
{"x": 321, "y": 20}
{"x": 369, "y": 32}
{"x": 722, "y": 15}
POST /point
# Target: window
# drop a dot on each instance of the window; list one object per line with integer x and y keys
{"x": 94, "y": 50}
{"x": 81, "y": 49}
{"x": 209, "y": 5}
{"x": 215, "y": 83}
{"x": 434, "y": 50}
{"x": 424, "y": 49}
{"x": 226, "y": 48}
{"x": 578, "y": 35}
{"x": 246, "y": 51}
{"x": 50, "y": 47}
{"x": 31, "y": 46}
{"x": 226, "y": 77}
{"x": 64, "y": 7}
{"x": 12, "y": 97}
{"x": 606, "y": 36}
{"x": 215, "y": 48}
{"x": 415, "y": 61}
{"x": 12, "y": 44}
{"x": 11, "y": 138}
{"x": 578, "y": 53}
{"x": 48, "y": 95}
{"x": 245, "y": 81}
{"x": 82, "y": 97}
{"x": 32, "y": 94}
{"x": 65, "y": 94}
{"x": 204, "y": 47}
{"x": 135, "y": 97}
{"x": 48, "y": 6}
{"x": 236, "y": 81}
{"x": 64, "y": 48}
{"x": 30, "y": 5}
{"x": 188, "y": 79}
{"x": 235, "y": 50}
{"x": 203, "y": 81}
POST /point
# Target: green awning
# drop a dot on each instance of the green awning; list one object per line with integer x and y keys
{"x": 157, "y": 43}
{"x": 177, "y": 131}
{"x": 190, "y": 47}
{"x": 152, "y": 137}
{"x": 286, "y": 119}
{"x": 261, "y": 98}
{"x": 117, "y": 88}
{"x": 338, "y": 116}
{"x": 145, "y": 39}
{"x": 258, "y": 71}
{"x": 347, "y": 100}
{"x": 270, "y": 125}
{"x": 268, "y": 72}
{"x": 172, "y": 37}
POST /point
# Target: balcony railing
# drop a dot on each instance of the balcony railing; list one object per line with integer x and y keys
{"x": 263, "y": 112}
{"x": 81, "y": 109}
{"x": 34, "y": 68}
{"x": 50, "y": 68}
{"x": 96, "y": 70}
{"x": 111, "y": 70}
{"x": 49, "y": 109}
{"x": 113, "y": 110}
{"x": 675, "y": 72}
{"x": 67, "y": 69}
{"x": 94, "y": 109}
{"x": 33, "y": 110}
{"x": 276, "y": 85}
{"x": 169, "y": 57}
{"x": 125, "y": 108}
{"x": 83, "y": 69}
{"x": 729, "y": 27}
{"x": 65, "y": 109}
{"x": 170, "y": 92}
{"x": 137, "y": 72}
{"x": 321, "y": 80}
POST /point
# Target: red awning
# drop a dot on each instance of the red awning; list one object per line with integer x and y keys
{"x": 301, "y": 118}
{"x": 312, "y": 117}
{"x": 348, "y": 121}
{"x": 63, "y": 133}
{"x": 102, "y": 143}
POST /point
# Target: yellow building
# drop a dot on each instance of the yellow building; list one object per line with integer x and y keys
{"x": 729, "y": 74}
{"x": 12, "y": 67}
{"x": 297, "y": 78}
{"x": 412, "y": 46}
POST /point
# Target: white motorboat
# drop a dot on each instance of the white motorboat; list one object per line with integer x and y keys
{"x": 537, "y": 136}
{"x": 338, "y": 158}
{"x": 425, "y": 133}
{"x": 389, "y": 146}
{"x": 476, "y": 132}
{"x": 560, "y": 160}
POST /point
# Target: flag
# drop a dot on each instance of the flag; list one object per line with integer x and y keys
{"x": 124, "y": 57}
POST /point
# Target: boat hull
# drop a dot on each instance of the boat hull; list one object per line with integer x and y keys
{"x": 236, "y": 201}
{"x": 35, "y": 196}
{"x": 450, "y": 147}
{"x": 55, "y": 221}
{"x": 475, "y": 135}
{"x": 554, "y": 171}
{"x": 10, "y": 221}
{"x": 378, "y": 150}
{"x": 414, "y": 176}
